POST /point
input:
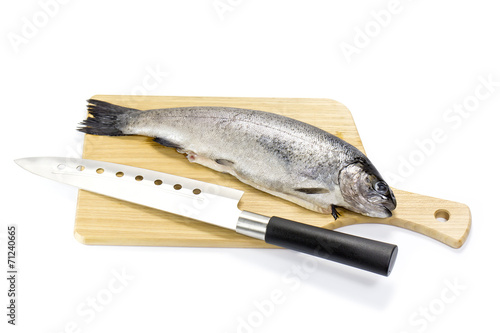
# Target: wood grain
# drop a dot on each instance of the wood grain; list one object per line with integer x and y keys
{"x": 104, "y": 220}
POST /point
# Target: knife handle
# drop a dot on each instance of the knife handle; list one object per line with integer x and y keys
{"x": 363, "y": 253}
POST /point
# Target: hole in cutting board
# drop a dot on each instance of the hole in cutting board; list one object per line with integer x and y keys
{"x": 442, "y": 215}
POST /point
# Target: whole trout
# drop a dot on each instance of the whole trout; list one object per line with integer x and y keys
{"x": 276, "y": 154}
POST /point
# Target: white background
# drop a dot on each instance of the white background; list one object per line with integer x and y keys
{"x": 399, "y": 85}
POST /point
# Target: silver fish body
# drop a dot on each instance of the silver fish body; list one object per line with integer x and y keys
{"x": 276, "y": 154}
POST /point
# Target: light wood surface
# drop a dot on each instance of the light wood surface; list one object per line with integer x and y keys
{"x": 108, "y": 221}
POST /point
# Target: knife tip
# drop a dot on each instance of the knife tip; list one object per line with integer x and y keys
{"x": 24, "y": 162}
{"x": 19, "y": 161}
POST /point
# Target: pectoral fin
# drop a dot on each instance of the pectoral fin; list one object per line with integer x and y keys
{"x": 312, "y": 190}
{"x": 224, "y": 162}
{"x": 335, "y": 214}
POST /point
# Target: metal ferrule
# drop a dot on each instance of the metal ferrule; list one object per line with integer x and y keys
{"x": 253, "y": 225}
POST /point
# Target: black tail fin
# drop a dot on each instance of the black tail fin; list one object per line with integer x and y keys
{"x": 105, "y": 118}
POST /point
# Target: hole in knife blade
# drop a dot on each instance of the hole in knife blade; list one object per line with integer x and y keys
{"x": 119, "y": 174}
{"x": 196, "y": 191}
{"x": 139, "y": 178}
{"x": 177, "y": 186}
{"x": 100, "y": 170}
{"x": 80, "y": 168}
{"x": 158, "y": 182}
{"x": 61, "y": 166}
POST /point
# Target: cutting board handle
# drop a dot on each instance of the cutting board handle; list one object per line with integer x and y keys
{"x": 446, "y": 221}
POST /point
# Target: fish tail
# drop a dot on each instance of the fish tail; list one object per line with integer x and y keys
{"x": 106, "y": 118}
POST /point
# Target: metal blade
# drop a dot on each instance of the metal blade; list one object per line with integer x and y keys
{"x": 178, "y": 195}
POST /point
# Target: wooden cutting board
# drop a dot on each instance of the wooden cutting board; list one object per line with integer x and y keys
{"x": 108, "y": 221}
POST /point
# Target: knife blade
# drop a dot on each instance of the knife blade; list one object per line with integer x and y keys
{"x": 214, "y": 204}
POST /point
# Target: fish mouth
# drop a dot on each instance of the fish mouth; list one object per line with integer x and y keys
{"x": 383, "y": 210}
{"x": 389, "y": 205}
{"x": 380, "y": 211}
{"x": 387, "y": 211}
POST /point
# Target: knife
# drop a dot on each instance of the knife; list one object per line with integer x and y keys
{"x": 212, "y": 204}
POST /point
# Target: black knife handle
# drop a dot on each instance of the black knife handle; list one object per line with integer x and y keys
{"x": 363, "y": 253}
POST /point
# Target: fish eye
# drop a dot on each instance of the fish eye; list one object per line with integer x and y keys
{"x": 381, "y": 187}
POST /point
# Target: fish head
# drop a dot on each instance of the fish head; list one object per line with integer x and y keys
{"x": 364, "y": 191}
